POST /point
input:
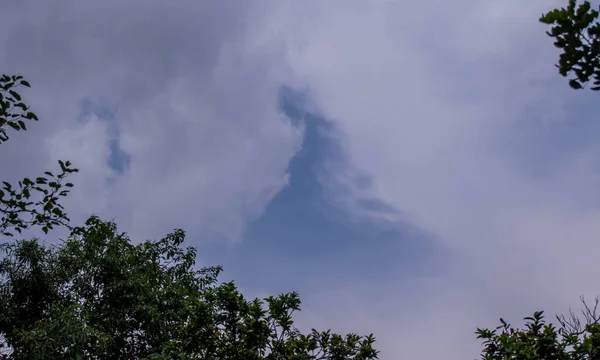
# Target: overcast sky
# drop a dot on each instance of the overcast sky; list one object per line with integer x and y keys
{"x": 415, "y": 169}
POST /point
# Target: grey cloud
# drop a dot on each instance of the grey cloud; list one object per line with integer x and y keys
{"x": 432, "y": 98}
{"x": 195, "y": 105}
{"x": 430, "y": 95}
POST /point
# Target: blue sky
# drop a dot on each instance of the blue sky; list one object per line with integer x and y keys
{"x": 307, "y": 238}
{"x": 118, "y": 160}
{"x": 414, "y": 169}
{"x": 301, "y": 232}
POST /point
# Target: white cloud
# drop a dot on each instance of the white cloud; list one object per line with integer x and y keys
{"x": 432, "y": 98}
{"x": 195, "y": 107}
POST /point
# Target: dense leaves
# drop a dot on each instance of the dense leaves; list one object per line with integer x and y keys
{"x": 577, "y": 33}
{"x": 33, "y": 202}
{"x": 97, "y": 295}
{"x": 539, "y": 340}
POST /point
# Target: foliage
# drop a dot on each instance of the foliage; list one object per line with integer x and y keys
{"x": 99, "y": 296}
{"x": 539, "y": 340}
{"x": 12, "y": 110}
{"x": 33, "y": 202}
{"x": 577, "y": 33}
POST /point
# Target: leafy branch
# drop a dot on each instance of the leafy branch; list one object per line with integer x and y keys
{"x": 32, "y": 202}
{"x": 577, "y": 33}
{"x": 13, "y": 111}
{"x": 19, "y": 210}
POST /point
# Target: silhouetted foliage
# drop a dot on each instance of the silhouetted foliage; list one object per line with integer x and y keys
{"x": 99, "y": 296}
{"x": 539, "y": 340}
{"x": 34, "y": 202}
{"x": 577, "y": 33}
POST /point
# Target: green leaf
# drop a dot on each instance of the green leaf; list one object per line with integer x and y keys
{"x": 15, "y": 95}
{"x": 575, "y": 84}
{"x": 31, "y": 116}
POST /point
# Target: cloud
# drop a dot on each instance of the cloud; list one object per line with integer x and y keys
{"x": 193, "y": 98}
{"x": 450, "y": 114}
{"x": 312, "y": 241}
{"x": 455, "y": 109}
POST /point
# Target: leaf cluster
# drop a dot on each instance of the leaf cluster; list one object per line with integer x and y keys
{"x": 577, "y": 33}
{"x": 539, "y": 340}
{"x": 99, "y": 296}
{"x": 13, "y": 111}
{"x": 35, "y": 202}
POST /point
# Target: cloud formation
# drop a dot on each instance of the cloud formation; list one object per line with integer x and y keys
{"x": 193, "y": 97}
{"x": 453, "y": 110}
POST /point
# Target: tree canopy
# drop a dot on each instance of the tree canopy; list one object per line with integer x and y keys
{"x": 571, "y": 339}
{"x": 99, "y": 296}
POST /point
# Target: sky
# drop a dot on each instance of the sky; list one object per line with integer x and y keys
{"x": 413, "y": 169}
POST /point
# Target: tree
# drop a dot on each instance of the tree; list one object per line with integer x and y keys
{"x": 577, "y": 33}
{"x": 32, "y": 202}
{"x": 99, "y": 296}
{"x": 539, "y": 340}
